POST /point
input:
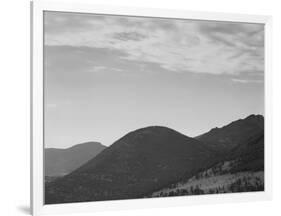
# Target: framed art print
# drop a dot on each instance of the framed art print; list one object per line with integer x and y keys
{"x": 147, "y": 108}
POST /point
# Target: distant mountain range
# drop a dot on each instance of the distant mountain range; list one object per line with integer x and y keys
{"x": 159, "y": 161}
{"x": 59, "y": 162}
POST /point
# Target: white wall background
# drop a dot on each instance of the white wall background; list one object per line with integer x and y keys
{"x": 14, "y": 108}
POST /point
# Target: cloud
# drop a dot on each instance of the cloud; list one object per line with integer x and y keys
{"x": 104, "y": 69}
{"x": 129, "y": 36}
{"x": 247, "y": 81}
{"x": 98, "y": 68}
{"x": 175, "y": 45}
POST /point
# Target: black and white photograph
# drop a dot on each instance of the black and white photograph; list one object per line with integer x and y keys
{"x": 140, "y": 107}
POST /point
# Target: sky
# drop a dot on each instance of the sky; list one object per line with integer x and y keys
{"x": 108, "y": 75}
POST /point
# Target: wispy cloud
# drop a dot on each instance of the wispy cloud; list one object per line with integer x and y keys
{"x": 104, "y": 69}
{"x": 244, "y": 81}
{"x": 98, "y": 68}
{"x": 175, "y": 45}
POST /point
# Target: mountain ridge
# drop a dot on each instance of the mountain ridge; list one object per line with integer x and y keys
{"x": 226, "y": 138}
{"x": 59, "y": 162}
{"x": 150, "y": 158}
{"x": 140, "y": 161}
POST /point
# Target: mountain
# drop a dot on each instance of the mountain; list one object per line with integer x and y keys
{"x": 59, "y": 162}
{"x": 142, "y": 161}
{"x": 232, "y": 135}
{"x": 240, "y": 168}
{"x": 159, "y": 161}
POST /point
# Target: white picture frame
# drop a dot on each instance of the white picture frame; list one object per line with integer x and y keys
{"x": 37, "y": 204}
